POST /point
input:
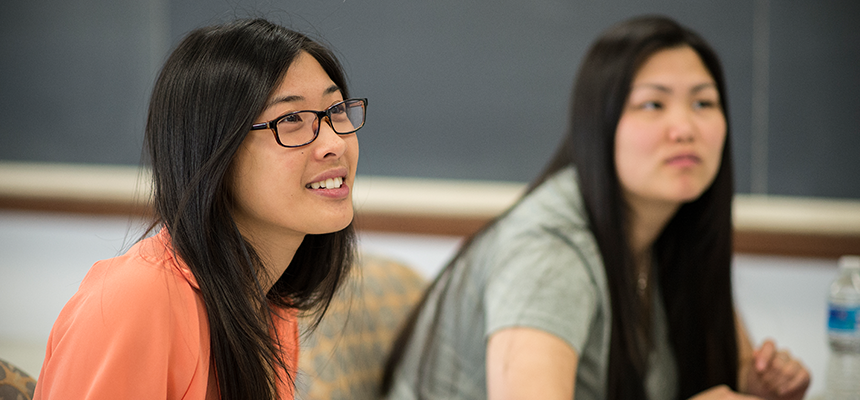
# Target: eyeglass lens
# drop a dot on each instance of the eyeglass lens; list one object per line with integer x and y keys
{"x": 301, "y": 127}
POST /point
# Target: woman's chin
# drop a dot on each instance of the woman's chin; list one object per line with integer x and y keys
{"x": 335, "y": 225}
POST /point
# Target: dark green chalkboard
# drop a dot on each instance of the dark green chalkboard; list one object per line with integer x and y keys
{"x": 75, "y": 78}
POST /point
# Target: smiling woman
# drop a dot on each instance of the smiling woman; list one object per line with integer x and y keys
{"x": 283, "y": 193}
{"x": 249, "y": 230}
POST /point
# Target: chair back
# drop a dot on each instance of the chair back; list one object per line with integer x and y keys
{"x": 345, "y": 356}
{"x": 14, "y": 383}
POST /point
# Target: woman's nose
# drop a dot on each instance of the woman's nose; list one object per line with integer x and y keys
{"x": 328, "y": 143}
{"x": 681, "y": 127}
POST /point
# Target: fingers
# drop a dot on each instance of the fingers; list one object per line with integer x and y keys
{"x": 764, "y": 355}
{"x": 722, "y": 392}
{"x": 779, "y": 370}
{"x": 796, "y": 380}
{"x": 778, "y": 373}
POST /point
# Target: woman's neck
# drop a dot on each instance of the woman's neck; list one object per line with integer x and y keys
{"x": 275, "y": 252}
{"x": 276, "y": 257}
{"x": 646, "y": 221}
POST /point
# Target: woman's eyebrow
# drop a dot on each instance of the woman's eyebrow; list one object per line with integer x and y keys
{"x": 284, "y": 99}
{"x": 291, "y": 98}
{"x": 703, "y": 86}
{"x": 666, "y": 89}
{"x": 654, "y": 86}
{"x": 331, "y": 89}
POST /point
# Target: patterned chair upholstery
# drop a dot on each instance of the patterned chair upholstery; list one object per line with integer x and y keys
{"x": 344, "y": 357}
{"x": 14, "y": 383}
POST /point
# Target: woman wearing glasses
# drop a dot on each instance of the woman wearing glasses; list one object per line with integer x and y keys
{"x": 252, "y": 139}
{"x": 610, "y": 278}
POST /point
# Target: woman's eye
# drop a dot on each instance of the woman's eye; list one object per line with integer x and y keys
{"x": 705, "y": 104}
{"x": 651, "y": 105}
{"x": 292, "y": 118}
{"x": 337, "y": 109}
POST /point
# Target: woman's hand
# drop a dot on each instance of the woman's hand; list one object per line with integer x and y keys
{"x": 722, "y": 392}
{"x": 776, "y": 375}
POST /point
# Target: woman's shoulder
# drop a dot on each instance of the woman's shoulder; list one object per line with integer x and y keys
{"x": 144, "y": 283}
{"x": 149, "y": 267}
{"x": 545, "y": 234}
{"x": 133, "y": 315}
{"x": 557, "y": 203}
{"x": 550, "y": 217}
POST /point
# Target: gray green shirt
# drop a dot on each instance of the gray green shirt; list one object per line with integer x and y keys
{"x": 538, "y": 267}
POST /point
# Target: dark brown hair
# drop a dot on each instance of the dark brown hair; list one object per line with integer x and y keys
{"x": 209, "y": 92}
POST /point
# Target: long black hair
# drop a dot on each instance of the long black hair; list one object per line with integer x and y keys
{"x": 209, "y": 92}
{"x": 692, "y": 254}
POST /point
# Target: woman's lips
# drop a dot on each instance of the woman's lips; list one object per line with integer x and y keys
{"x": 684, "y": 160}
{"x": 335, "y": 188}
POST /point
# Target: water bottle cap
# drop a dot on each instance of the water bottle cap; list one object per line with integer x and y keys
{"x": 849, "y": 262}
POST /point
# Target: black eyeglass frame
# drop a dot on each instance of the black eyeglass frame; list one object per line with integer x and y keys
{"x": 273, "y": 124}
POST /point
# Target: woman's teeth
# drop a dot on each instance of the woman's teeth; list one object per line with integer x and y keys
{"x": 331, "y": 183}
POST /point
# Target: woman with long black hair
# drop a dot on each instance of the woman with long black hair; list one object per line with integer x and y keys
{"x": 611, "y": 277}
{"x": 251, "y": 134}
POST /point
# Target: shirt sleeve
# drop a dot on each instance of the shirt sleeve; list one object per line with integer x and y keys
{"x": 130, "y": 332}
{"x": 542, "y": 281}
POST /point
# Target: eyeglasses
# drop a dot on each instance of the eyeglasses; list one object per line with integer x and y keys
{"x": 299, "y": 128}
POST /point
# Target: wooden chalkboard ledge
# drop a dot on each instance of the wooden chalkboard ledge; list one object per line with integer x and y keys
{"x": 792, "y": 226}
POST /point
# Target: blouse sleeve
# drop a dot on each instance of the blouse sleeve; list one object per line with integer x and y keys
{"x": 132, "y": 331}
{"x": 542, "y": 281}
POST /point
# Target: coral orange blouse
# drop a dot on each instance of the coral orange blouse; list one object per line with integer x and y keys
{"x": 137, "y": 329}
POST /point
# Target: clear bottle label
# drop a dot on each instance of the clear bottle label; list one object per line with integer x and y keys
{"x": 844, "y": 320}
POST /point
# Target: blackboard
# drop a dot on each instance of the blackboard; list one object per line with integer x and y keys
{"x": 458, "y": 89}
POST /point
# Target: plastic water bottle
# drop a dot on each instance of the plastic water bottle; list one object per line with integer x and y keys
{"x": 843, "y": 332}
